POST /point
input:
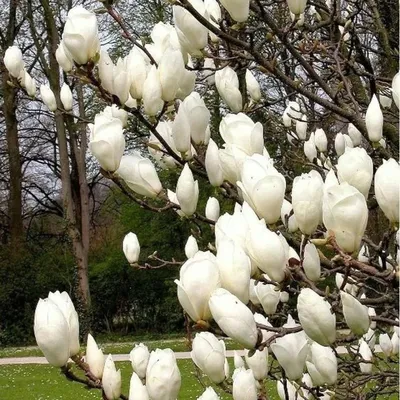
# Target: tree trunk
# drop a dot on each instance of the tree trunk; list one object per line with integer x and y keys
{"x": 14, "y": 156}
{"x": 14, "y": 163}
{"x": 73, "y": 179}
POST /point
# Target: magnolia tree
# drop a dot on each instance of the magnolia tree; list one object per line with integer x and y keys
{"x": 291, "y": 276}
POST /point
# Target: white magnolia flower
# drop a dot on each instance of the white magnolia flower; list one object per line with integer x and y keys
{"x": 191, "y": 247}
{"x": 139, "y": 358}
{"x": 316, "y": 317}
{"x": 13, "y": 61}
{"x": 139, "y": 174}
{"x": 356, "y": 168}
{"x": 387, "y": 188}
{"x": 187, "y": 191}
{"x": 374, "y": 120}
{"x": 198, "y": 278}
{"x": 80, "y": 36}
{"x": 111, "y": 381}
{"x": 227, "y": 83}
{"x": 238, "y": 10}
{"x": 322, "y": 366}
{"x": 94, "y": 357}
{"x": 233, "y": 317}
{"x": 258, "y": 362}
{"x": 345, "y": 212}
{"x": 263, "y": 187}
{"x": 355, "y": 314}
{"x": 209, "y": 355}
{"x": 163, "y": 379}
{"x": 252, "y": 86}
{"x": 307, "y": 192}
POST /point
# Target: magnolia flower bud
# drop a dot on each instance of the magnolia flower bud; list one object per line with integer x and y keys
{"x": 139, "y": 357}
{"x": 355, "y": 314}
{"x": 238, "y": 10}
{"x": 355, "y": 135}
{"x": 187, "y": 84}
{"x": 107, "y": 142}
{"x": 29, "y": 84}
{"x": 106, "y": 71}
{"x": 227, "y": 83}
{"x": 198, "y": 117}
{"x": 395, "y": 343}
{"x": 209, "y": 394}
{"x": 191, "y": 247}
{"x": 321, "y": 141}
{"x": 111, "y": 381}
{"x": 152, "y": 93}
{"x": 266, "y": 251}
{"x": 212, "y": 209}
{"x": 289, "y": 222}
{"x": 94, "y": 357}
{"x": 80, "y": 36}
{"x": 181, "y": 131}
{"x": 387, "y": 188}
{"x": 131, "y": 248}
{"x": 396, "y": 89}
{"x": 258, "y": 363}
{"x": 263, "y": 187}
{"x": 233, "y": 318}
{"x": 355, "y": 167}
{"x": 48, "y": 97}
{"x": 120, "y": 85}
{"x": 163, "y": 379}
{"x": 374, "y": 120}
{"x": 323, "y": 365}
{"x": 237, "y": 360}
{"x": 297, "y": 7}
{"x": 291, "y": 352}
{"x": 252, "y": 86}
{"x": 198, "y": 278}
{"x": 244, "y": 385}
{"x": 316, "y": 317}
{"x": 366, "y": 355}
{"x": 137, "y": 68}
{"x": 385, "y": 344}
{"x": 66, "y": 97}
{"x": 310, "y": 151}
{"x": 187, "y": 191}
{"x": 311, "y": 262}
{"x": 307, "y": 192}
{"x": 212, "y": 163}
{"x": 13, "y": 61}
{"x": 64, "y": 303}
{"x": 52, "y": 332}
{"x": 209, "y": 355}
{"x": 140, "y": 175}
{"x": 137, "y": 391}
{"x": 269, "y": 297}
{"x": 64, "y": 58}
{"x": 301, "y": 127}
{"x": 170, "y": 70}
{"x": 340, "y": 144}
{"x": 345, "y": 212}
{"x": 234, "y": 269}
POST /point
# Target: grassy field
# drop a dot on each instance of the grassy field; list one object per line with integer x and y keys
{"x": 42, "y": 382}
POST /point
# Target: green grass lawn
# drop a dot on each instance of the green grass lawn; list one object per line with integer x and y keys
{"x": 42, "y": 382}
